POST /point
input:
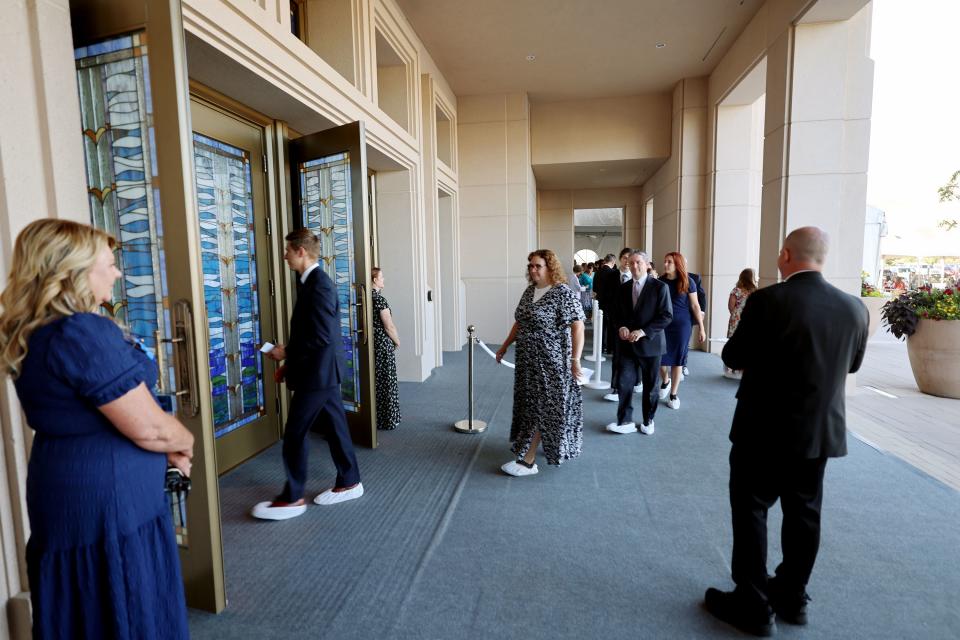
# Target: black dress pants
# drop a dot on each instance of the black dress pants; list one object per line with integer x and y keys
{"x": 757, "y": 481}
{"x": 628, "y": 369}
{"x": 323, "y": 409}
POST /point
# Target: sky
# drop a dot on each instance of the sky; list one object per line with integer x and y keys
{"x": 915, "y": 126}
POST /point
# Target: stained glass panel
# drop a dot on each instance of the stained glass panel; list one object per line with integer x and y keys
{"x": 116, "y": 114}
{"x": 327, "y": 210}
{"x": 228, "y": 252}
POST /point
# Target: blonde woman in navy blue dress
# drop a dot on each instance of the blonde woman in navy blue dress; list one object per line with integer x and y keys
{"x": 102, "y": 559}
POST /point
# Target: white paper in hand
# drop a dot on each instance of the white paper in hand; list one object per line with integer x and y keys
{"x": 585, "y": 374}
{"x": 267, "y": 347}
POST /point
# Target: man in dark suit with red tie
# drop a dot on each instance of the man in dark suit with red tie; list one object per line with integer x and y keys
{"x": 796, "y": 343}
{"x": 313, "y": 370}
{"x": 642, "y": 311}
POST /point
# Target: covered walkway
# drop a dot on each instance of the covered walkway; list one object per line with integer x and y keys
{"x": 620, "y": 543}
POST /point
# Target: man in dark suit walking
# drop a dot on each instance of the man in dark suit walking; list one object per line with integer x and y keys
{"x": 796, "y": 343}
{"x": 313, "y": 370}
{"x": 643, "y": 310}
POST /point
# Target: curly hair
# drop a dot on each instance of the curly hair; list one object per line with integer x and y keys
{"x": 555, "y": 273}
{"x": 48, "y": 280}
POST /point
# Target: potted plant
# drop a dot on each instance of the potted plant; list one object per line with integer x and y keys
{"x": 929, "y": 319}
{"x": 873, "y": 300}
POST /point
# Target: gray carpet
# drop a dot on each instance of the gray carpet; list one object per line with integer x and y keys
{"x": 620, "y": 543}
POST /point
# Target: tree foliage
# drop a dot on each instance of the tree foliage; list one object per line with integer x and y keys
{"x": 948, "y": 193}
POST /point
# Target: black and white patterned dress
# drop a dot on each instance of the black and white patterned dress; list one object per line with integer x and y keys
{"x": 546, "y": 398}
{"x": 385, "y": 365}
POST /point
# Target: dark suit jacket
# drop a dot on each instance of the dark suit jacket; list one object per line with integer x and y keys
{"x": 605, "y": 286}
{"x": 796, "y": 343}
{"x": 315, "y": 348}
{"x": 652, "y": 314}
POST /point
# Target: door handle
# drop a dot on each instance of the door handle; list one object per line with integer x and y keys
{"x": 361, "y": 313}
{"x": 184, "y": 365}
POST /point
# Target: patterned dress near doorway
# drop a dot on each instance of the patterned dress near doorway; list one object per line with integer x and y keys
{"x": 385, "y": 364}
{"x": 546, "y": 398}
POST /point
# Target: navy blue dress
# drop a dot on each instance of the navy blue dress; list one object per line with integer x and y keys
{"x": 102, "y": 558}
{"x": 678, "y": 331}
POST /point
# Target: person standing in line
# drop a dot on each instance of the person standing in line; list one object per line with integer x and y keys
{"x": 586, "y": 281}
{"x": 746, "y": 284}
{"x": 796, "y": 343}
{"x": 101, "y": 559}
{"x": 386, "y": 341}
{"x": 702, "y": 301}
{"x": 683, "y": 294}
{"x": 313, "y": 372}
{"x": 604, "y": 287}
{"x": 547, "y": 402}
{"x": 644, "y": 311}
{"x": 623, "y": 275}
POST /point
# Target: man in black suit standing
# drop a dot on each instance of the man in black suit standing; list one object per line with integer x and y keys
{"x": 796, "y": 343}
{"x": 313, "y": 370}
{"x": 643, "y": 310}
{"x": 604, "y": 286}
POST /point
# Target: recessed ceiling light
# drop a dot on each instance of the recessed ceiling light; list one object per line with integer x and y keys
{"x": 531, "y": 58}
{"x": 661, "y": 45}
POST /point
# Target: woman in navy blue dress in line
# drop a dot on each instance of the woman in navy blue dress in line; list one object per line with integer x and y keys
{"x": 101, "y": 559}
{"x": 683, "y": 293}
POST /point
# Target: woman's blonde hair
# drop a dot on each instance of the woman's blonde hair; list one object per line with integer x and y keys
{"x": 555, "y": 273}
{"x": 48, "y": 280}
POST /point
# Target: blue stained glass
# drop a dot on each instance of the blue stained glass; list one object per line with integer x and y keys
{"x": 327, "y": 210}
{"x": 228, "y": 261}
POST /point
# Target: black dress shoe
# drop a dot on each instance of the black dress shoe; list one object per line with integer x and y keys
{"x": 790, "y": 606}
{"x": 756, "y": 619}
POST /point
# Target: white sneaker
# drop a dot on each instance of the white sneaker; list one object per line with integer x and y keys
{"x": 647, "y": 429}
{"x": 665, "y": 389}
{"x": 629, "y": 427}
{"x": 612, "y": 397}
{"x": 265, "y": 511}
{"x": 674, "y": 402}
{"x": 514, "y": 468}
{"x": 638, "y": 388}
{"x": 330, "y": 496}
{"x": 685, "y": 372}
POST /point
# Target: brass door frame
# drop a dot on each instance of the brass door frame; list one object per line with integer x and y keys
{"x": 218, "y": 122}
{"x": 94, "y": 20}
{"x": 350, "y": 137}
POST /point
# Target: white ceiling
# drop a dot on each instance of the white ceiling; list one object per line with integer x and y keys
{"x": 584, "y": 48}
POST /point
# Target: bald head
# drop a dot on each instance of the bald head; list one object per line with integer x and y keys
{"x": 804, "y": 249}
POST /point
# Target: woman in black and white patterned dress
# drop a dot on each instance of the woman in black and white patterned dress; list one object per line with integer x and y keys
{"x": 547, "y": 403}
{"x": 385, "y": 342}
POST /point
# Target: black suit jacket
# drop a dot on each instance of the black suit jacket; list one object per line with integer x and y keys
{"x": 796, "y": 343}
{"x": 315, "y": 348}
{"x": 605, "y": 286}
{"x": 652, "y": 313}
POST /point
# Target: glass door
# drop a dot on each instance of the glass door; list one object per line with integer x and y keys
{"x": 228, "y": 158}
{"x": 139, "y": 151}
{"x": 329, "y": 188}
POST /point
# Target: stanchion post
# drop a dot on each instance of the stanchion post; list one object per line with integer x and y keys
{"x": 470, "y": 425}
{"x": 596, "y": 382}
{"x": 597, "y": 355}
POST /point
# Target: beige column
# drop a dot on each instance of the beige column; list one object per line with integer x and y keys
{"x": 555, "y": 223}
{"x": 41, "y": 175}
{"x": 498, "y": 224}
{"x": 817, "y": 135}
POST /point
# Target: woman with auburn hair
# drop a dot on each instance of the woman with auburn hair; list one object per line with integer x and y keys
{"x": 686, "y": 307}
{"x": 101, "y": 559}
{"x": 746, "y": 284}
{"x": 547, "y": 403}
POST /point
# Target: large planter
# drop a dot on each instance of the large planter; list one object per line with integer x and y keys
{"x": 935, "y": 357}
{"x": 873, "y": 305}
